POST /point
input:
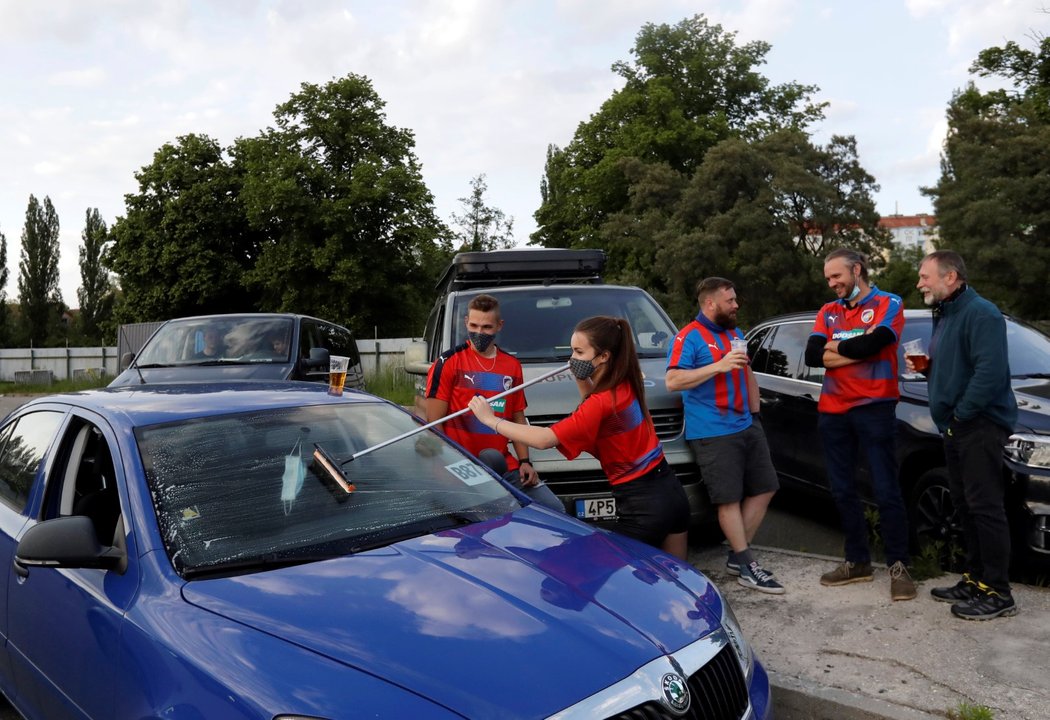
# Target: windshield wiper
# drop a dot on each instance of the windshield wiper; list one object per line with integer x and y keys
{"x": 218, "y": 362}
{"x": 152, "y": 366}
{"x": 235, "y": 567}
{"x": 1031, "y": 376}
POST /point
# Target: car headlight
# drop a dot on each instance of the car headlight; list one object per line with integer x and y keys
{"x": 1030, "y": 450}
{"x": 742, "y": 648}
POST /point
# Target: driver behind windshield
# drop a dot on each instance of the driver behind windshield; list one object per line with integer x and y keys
{"x": 212, "y": 345}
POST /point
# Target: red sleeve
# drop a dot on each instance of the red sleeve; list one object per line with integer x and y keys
{"x": 579, "y": 432}
{"x": 440, "y": 380}
{"x": 819, "y": 327}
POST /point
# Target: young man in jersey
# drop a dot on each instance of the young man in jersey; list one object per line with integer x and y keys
{"x": 479, "y": 367}
{"x": 855, "y": 338}
{"x": 721, "y": 402}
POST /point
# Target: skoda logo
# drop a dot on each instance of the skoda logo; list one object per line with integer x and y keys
{"x": 676, "y": 693}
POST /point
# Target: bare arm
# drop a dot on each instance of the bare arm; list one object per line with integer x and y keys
{"x": 832, "y": 358}
{"x": 528, "y": 435}
{"x": 678, "y": 379}
{"x": 754, "y": 400}
{"x": 436, "y": 409}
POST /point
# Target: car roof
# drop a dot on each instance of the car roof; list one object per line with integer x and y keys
{"x": 917, "y": 313}
{"x": 244, "y": 315}
{"x": 140, "y": 405}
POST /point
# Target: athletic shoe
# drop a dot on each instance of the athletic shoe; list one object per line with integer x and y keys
{"x": 959, "y": 592}
{"x": 902, "y": 587}
{"x": 846, "y": 573}
{"x": 732, "y": 568}
{"x": 754, "y": 577}
{"x": 985, "y": 605}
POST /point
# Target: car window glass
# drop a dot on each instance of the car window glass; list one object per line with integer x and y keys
{"x": 756, "y": 351}
{"x": 1029, "y": 349}
{"x": 786, "y": 350}
{"x": 338, "y": 341}
{"x": 538, "y": 323}
{"x": 244, "y": 488}
{"x": 20, "y": 458}
{"x": 86, "y": 485}
{"x": 229, "y": 339}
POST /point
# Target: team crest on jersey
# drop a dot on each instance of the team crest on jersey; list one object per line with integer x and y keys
{"x": 867, "y": 316}
{"x": 508, "y": 382}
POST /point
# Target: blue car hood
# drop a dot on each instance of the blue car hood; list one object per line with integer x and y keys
{"x": 202, "y": 373}
{"x": 526, "y": 614}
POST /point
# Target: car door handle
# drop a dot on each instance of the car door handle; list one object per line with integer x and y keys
{"x": 20, "y": 570}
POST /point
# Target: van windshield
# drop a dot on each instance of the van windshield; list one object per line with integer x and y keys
{"x": 538, "y": 321}
{"x": 225, "y": 339}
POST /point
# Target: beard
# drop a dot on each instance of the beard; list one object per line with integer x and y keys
{"x": 929, "y": 299}
{"x": 725, "y": 320}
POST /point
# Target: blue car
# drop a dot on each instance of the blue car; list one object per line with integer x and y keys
{"x": 217, "y": 551}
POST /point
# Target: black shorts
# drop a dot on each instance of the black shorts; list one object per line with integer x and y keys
{"x": 651, "y": 507}
{"x": 735, "y": 466}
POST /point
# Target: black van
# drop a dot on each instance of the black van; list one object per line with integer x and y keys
{"x": 248, "y": 346}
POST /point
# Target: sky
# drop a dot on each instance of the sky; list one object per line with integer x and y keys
{"x": 91, "y": 89}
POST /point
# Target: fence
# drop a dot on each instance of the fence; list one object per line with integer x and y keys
{"x": 42, "y": 365}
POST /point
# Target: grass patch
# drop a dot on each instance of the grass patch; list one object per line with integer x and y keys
{"x": 393, "y": 384}
{"x": 57, "y": 386}
{"x": 966, "y": 711}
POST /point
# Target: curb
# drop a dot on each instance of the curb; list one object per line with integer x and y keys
{"x": 797, "y": 699}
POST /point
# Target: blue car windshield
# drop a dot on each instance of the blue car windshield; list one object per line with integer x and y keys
{"x": 1028, "y": 348}
{"x": 243, "y": 492}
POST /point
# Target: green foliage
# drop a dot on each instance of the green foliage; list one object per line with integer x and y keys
{"x": 3, "y": 291}
{"x": 393, "y": 384}
{"x": 481, "y": 227}
{"x": 184, "y": 245}
{"x": 993, "y": 197}
{"x": 900, "y": 275}
{"x": 38, "y": 293}
{"x": 96, "y": 289}
{"x": 966, "y": 711}
{"x": 347, "y": 223}
{"x": 689, "y": 88}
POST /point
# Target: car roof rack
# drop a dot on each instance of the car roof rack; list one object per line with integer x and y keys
{"x": 536, "y": 266}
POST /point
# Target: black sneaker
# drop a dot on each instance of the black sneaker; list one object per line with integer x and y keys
{"x": 986, "y": 604}
{"x": 733, "y": 568}
{"x": 959, "y": 592}
{"x": 754, "y": 577}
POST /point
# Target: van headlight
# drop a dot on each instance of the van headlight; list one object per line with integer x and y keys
{"x": 1030, "y": 450}
{"x": 731, "y": 627}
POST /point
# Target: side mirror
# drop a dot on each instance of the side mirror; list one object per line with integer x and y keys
{"x": 416, "y": 361}
{"x": 319, "y": 358}
{"x": 125, "y": 360}
{"x": 66, "y": 542}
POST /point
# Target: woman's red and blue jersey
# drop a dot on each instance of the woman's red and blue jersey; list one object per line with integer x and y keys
{"x": 873, "y": 379}
{"x": 460, "y": 374}
{"x": 611, "y": 426}
{"x": 720, "y": 406}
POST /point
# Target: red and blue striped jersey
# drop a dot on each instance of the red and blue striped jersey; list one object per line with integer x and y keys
{"x": 873, "y": 379}
{"x": 611, "y": 426}
{"x": 460, "y": 374}
{"x": 719, "y": 406}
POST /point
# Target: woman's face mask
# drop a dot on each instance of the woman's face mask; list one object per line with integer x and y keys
{"x": 581, "y": 369}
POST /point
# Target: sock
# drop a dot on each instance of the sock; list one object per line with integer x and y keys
{"x": 743, "y": 558}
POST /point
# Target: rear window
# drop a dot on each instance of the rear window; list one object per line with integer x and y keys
{"x": 538, "y": 323}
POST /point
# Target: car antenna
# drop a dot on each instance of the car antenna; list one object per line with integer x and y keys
{"x": 421, "y": 428}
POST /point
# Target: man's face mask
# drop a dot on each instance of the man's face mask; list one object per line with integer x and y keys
{"x": 581, "y": 369}
{"x": 480, "y": 340}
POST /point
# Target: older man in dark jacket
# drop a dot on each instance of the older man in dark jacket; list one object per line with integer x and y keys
{"x": 973, "y": 405}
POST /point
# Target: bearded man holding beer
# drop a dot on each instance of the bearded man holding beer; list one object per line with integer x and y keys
{"x": 855, "y": 338}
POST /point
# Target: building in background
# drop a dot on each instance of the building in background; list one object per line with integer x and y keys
{"x": 912, "y": 231}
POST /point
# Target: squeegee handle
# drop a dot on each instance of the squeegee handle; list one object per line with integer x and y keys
{"x": 464, "y": 411}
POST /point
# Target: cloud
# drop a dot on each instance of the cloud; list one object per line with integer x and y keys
{"x": 88, "y": 77}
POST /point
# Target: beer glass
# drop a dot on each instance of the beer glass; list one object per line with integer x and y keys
{"x": 915, "y": 353}
{"x": 337, "y": 373}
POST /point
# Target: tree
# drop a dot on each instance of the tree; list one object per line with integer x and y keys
{"x": 348, "y": 224}
{"x": 184, "y": 244}
{"x": 992, "y": 199}
{"x": 690, "y": 88}
{"x": 3, "y": 291}
{"x": 38, "y": 291}
{"x": 481, "y": 227}
{"x": 96, "y": 289}
{"x": 901, "y": 273}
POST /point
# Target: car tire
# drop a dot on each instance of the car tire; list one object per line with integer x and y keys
{"x": 933, "y": 521}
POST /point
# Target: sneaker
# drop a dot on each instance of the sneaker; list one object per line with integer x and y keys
{"x": 902, "y": 587}
{"x": 732, "y": 568}
{"x": 959, "y": 592}
{"x": 985, "y": 605}
{"x": 754, "y": 577}
{"x": 846, "y": 573}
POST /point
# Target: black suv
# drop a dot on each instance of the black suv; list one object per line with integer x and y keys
{"x": 790, "y": 390}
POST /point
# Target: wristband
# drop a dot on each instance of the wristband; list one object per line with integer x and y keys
{"x": 526, "y": 461}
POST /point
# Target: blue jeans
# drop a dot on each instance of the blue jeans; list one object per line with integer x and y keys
{"x": 873, "y": 428}
{"x": 539, "y": 493}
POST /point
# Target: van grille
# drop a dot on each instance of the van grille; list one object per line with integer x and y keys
{"x": 667, "y": 421}
{"x": 718, "y": 692}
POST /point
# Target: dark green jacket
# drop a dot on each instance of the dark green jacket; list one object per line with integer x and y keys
{"x": 969, "y": 368}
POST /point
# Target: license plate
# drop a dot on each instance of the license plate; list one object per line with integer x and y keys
{"x": 596, "y": 509}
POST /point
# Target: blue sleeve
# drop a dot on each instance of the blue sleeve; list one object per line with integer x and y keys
{"x": 986, "y": 337}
